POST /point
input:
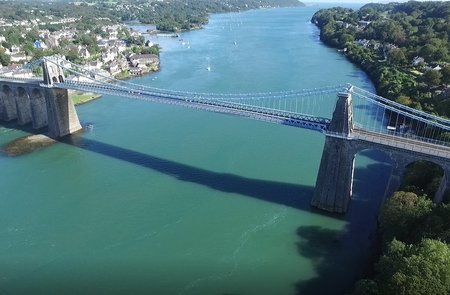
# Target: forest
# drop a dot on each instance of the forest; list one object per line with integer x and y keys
{"x": 168, "y": 15}
{"x": 403, "y": 47}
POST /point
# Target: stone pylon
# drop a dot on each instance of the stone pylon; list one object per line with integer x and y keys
{"x": 335, "y": 178}
{"x": 61, "y": 113}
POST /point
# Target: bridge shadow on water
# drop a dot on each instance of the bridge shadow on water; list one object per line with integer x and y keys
{"x": 337, "y": 255}
{"x": 292, "y": 195}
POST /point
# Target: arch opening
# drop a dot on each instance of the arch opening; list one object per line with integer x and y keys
{"x": 61, "y": 79}
{"x": 422, "y": 178}
{"x": 36, "y": 94}
{"x": 21, "y": 92}
{"x": 372, "y": 171}
{"x": 6, "y": 89}
{"x": 55, "y": 80}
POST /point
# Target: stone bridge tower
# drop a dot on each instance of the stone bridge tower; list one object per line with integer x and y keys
{"x": 335, "y": 178}
{"x": 62, "y": 116}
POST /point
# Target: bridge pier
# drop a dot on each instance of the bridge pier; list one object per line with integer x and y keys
{"x": 8, "y": 102}
{"x": 335, "y": 178}
{"x": 396, "y": 177}
{"x": 61, "y": 113}
{"x": 443, "y": 187}
{"x": 38, "y": 109}
{"x": 23, "y": 107}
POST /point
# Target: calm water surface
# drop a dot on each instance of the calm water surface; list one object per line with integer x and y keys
{"x": 158, "y": 199}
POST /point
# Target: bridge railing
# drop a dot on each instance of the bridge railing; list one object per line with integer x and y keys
{"x": 408, "y": 144}
{"x": 20, "y": 79}
{"x": 268, "y": 114}
{"x": 383, "y": 118}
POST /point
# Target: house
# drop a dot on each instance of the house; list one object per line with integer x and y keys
{"x": 102, "y": 43}
{"x": 38, "y": 44}
{"x": 363, "y": 23}
{"x": 53, "y": 41}
{"x": 83, "y": 52}
{"x": 417, "y": 61}
{"x": 362, "y": 42}
{"x": 134, "y": 71}
{"x": 15, "y": 49}
{"x": 95, "y": 65}
{"x": 109, "y": 55}
{"x": 18, "y": 57}
{"x": 114, "y": 69}
{"x": 144, "y": 59}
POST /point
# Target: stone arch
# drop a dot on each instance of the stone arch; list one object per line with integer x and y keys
{"x": 23, "y": 105}
{"x": 55, "y": 80}
{"x": 61, "y": 78}
{"x": 38, "y": 108}
{"x": 423, "y": 176}
{"x": 9, "y": 103}
{"x": 371, "y": 176}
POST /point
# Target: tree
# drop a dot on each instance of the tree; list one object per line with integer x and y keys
{"x": 150, "y": 50}
{"x": 432, "y": 78}
{"x": 410, "y": 269}
{"x": 5, "y": 60}
{"x": 346, "y": 38}
{"x": 402, "y": 215}
{"x": 445, "y": 71}
{"x": 366, "y": 287}
{"x": 436, "y": 226}
{"x": 396, "y": 57}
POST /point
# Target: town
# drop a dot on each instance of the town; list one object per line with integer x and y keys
{"x": 105, "y": 52}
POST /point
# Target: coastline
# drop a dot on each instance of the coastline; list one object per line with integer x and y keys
{"x": 79, "y": 97}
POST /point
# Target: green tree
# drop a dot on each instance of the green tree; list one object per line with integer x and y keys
{"x": 396, "y": 57}
{"x": 410, "y": 269}
{"x": 344, "y": 39}
{"x": 402, "y": 215}
{"x": 445, "y": 71}
{"x": 5, "y": 60}
{"x": 366, "y": 287}
{"x": 432, "y": 78}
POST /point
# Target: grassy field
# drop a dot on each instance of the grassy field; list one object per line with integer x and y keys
{"x": 82, "y": 97}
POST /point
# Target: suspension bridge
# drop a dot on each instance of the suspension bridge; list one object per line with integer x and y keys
{"x": 351, "y": 118}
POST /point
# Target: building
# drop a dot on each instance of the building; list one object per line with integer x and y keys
{"x": 144, "y": 59}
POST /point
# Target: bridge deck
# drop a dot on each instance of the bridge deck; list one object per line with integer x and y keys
{"x": 408, "y": 144}
{"x": 220, "y": 106}
{"x": 19, "y": 80}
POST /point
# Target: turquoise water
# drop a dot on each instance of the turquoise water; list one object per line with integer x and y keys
{"x": 158, "y": 199}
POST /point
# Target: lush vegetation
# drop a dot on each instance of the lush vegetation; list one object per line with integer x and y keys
{"x": 416, "y": 258}
{"x": 404, "y": 47}
{"x": 168, "y": 15}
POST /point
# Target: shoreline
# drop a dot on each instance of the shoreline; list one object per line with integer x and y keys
{"x": 80, "y": 98}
